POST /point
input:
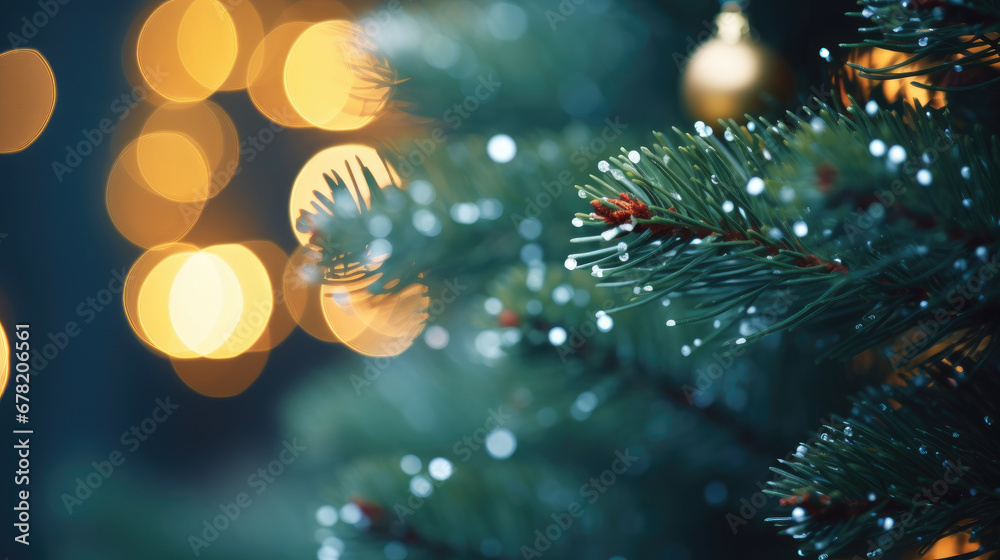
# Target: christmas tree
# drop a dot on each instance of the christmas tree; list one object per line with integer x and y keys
{"x": 848, "y": 235}
{"x": 753, "y": 316}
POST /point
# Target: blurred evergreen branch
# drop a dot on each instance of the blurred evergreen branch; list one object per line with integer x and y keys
{"x": 838, "y": 211}
{"x": 911, "y": 465}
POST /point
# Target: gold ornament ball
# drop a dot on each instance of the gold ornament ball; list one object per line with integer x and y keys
{"x": 728, "y": 77}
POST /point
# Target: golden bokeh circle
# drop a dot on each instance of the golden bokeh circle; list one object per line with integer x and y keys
{"x": 27, "y": 98}
{"x": 140, "y": 214}
{"x": 187, "y": 48}
{"x": 344, "y": 162}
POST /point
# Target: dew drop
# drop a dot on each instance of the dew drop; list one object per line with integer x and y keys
{"x": 603, "y": 166}
{"x": 685, "y": 350}
{"x": 570, "y": 264}
{"x": 623, "y": 257}
{"x": 922, "y": 449}
{"x": 633, "y": 156}
{"x": 581, "y": 193}
{"x": 824, "y": 53}
{"x": 871, "y": 107}
{"x": 741, "y": 340}
{"x": 671, "y": 323}
{"x": 727, "y": 206}
{"x": 729, "y": 135}
{"x": 923, "y": 41}
{"x": 800, "y": 228}
{"x": 577, "y": 222}
{"x": 877, "y": 147}
{"x": 966, "y": 172}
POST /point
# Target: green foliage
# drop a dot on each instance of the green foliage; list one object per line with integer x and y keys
{"x": 911, "y": 465}
{"x": 872, "y": 225}
{"x": 959, "y": 36}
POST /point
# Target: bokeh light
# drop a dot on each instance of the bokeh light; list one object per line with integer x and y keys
{"x": 249, "y": 34}
{"x": 342, "y": 160}
{"x": 136, "y": 279}
{"x": 205, "y": 302}
{"x": 383, "y": 325}
{"x": 27, "y": 98}
{"x": 187, "y": 49}
{"x": 220, "y": 378}
{"x": 265, "y": 77}
{"x": 301, "y": 285}
{"x": 174, "y": 166}
{"x": 141, "y": 215}
{"x": 4, "y": 359}
{"x": 281, "y": 322}
{"x": 314, "y": 11}
{"x": 153, "y": 308}
{"x": 172, "y": 163}
{"x": 258, "y": 299}
{"x": 213, "y": 303}
{"x": 332, "y": 79}
{"x": 901, "y": 89}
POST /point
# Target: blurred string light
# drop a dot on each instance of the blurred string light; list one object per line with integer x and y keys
{"x": 383, "y": 325}
{"x": 249, "y": 33}
{"x": 333, "y": 78}
{"x": 344, "y": 161}
{"x": 205, "y": 309}
{"x": 195, "y": 154}
{"x": 27, "y": 98}
{"x": 900, "y": 89}
{"x": 187, "y": 49}
{"x": 139, "y": 213}
{"x": 212, "y": 303}
{"x": 4, "y": 359}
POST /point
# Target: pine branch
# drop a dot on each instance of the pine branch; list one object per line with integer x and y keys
{"x": 911, "y": 465}
{"x": 942, "y": 39}
{"x": 877, "y": 225}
